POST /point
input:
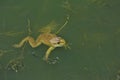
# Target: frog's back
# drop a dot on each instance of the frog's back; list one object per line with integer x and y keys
{"x": 46, "y": 37}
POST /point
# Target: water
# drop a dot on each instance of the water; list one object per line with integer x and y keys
{"x": 92, "y": 34}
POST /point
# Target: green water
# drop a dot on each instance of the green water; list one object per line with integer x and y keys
{"x": 93, "y": 33}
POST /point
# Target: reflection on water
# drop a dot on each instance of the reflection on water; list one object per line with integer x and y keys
{"x": 15, "y": 64}
{"x": 3, "y": 52}
{"x": 11, "y": 33}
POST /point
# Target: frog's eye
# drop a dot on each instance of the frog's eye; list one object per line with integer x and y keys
{"x": 58, "y": 42}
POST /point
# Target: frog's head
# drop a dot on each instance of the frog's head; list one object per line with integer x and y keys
{"x": 57, "y": 42}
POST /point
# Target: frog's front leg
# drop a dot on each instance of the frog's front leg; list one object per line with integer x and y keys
{"x": 48, "y": 53}
{"x": 31, "y": 41}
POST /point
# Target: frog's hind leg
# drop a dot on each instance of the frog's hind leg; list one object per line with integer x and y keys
{"x": 31, "y": 41}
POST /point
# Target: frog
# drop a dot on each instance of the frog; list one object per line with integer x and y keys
{"x": 47, "y": 38}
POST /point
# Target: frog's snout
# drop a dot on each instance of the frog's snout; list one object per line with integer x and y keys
{"x": 62, "y": 42}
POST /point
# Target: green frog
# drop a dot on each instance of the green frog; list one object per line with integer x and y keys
{"x": 46, "y": 37}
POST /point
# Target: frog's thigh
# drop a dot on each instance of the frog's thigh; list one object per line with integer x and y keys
{"x": 34, "y": 43}
{"x": 48, "y": 53}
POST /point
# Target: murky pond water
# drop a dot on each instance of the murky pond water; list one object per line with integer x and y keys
{"x": 92, "y": 33}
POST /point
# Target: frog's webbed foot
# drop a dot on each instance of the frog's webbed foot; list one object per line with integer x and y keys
{"x": 15, "y": 65}
{"x": 49, "y": 28}
{"x": 66, "y": 46}
{"x": 55, "y": 60}
{"x": 48, "y": 53}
